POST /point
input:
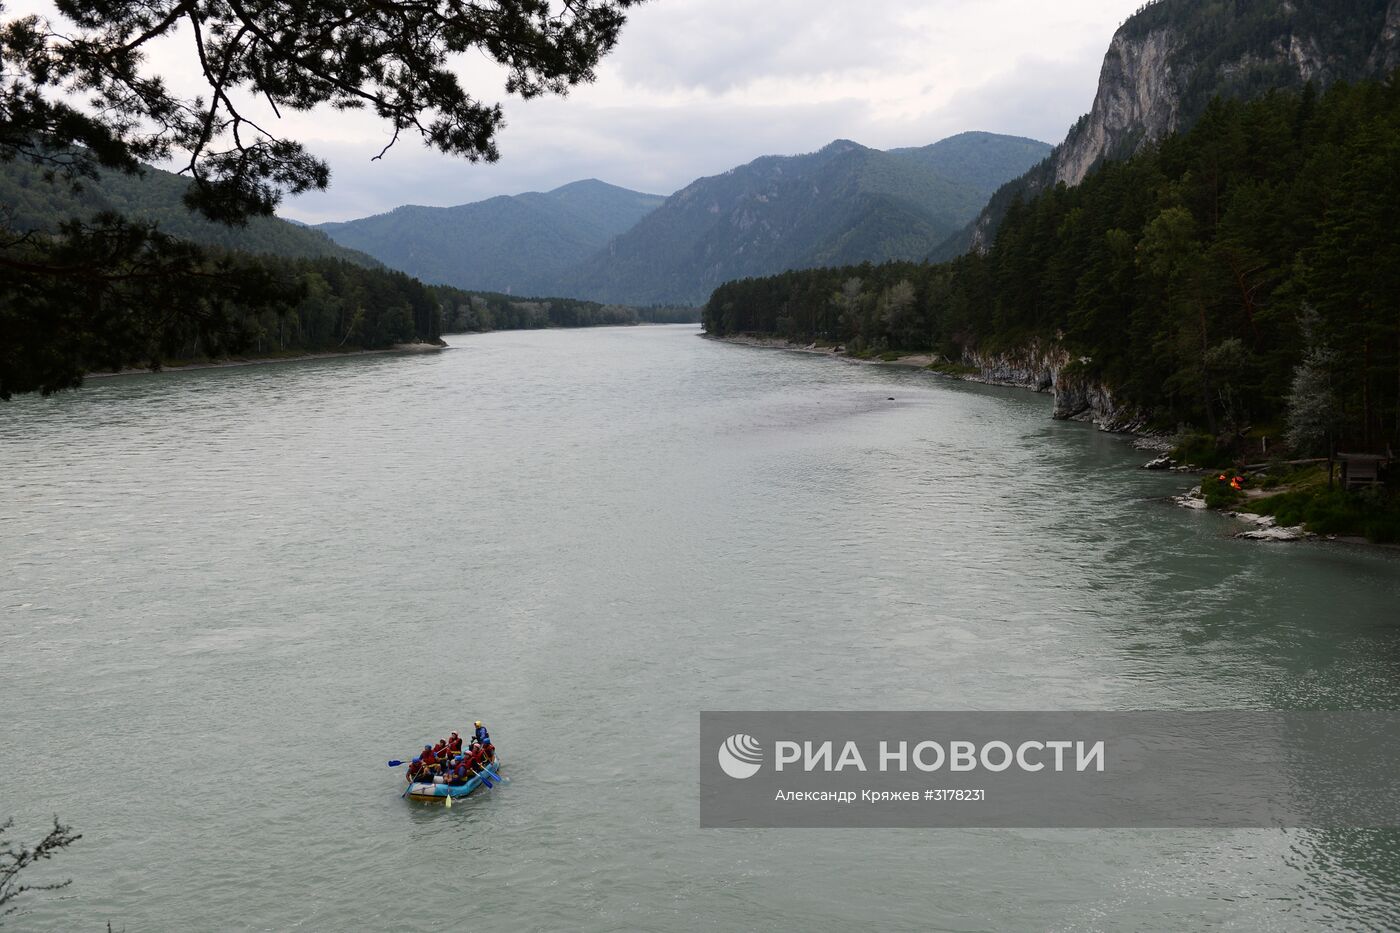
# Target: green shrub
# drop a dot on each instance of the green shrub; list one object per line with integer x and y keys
{"x": 948, "y": 368}
{"x": 1201, "y": 450}
{"x": 1372, "y": 513}
{"x": 1077, "y": 368}
{"x": 1219, "y": 494}
{"x": 1383, "y": 529}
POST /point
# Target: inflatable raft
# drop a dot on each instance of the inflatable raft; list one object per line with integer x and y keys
{"x": 422, "y": 790}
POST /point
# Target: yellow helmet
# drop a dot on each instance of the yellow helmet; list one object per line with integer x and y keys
{"x": 478, "y": 722}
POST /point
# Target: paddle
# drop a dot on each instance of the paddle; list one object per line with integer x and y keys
{"x": 395, "y": 763}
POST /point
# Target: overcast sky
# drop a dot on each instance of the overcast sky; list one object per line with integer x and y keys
{"x": 696, "y": 87}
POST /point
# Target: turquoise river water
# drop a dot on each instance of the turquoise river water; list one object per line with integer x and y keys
{"x": 227, "y": 597}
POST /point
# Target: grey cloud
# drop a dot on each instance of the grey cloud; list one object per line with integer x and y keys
{"x": 719, "y": 45}
{"x": 659, "y": 142}
{"x": 1036, "y": 98}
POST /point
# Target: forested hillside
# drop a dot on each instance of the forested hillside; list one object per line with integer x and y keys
{"x": 517, "y": 245}
{"x": 210, "y": 291}
{"x": 1244, "y": 273}
{"x": 477, "y": 312}
{"x": 155, "y": 196}
{"x": 845, "y": 203}
{"x": 978, "y": 162}
{"x": 1172, "y": 57}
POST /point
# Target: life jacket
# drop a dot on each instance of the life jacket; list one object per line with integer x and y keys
{"x": 488, "y": 750}
{"x": 429, "y": 756}
{"x": 454, "y": 744}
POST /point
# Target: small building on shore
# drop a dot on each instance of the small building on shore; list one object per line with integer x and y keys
{"x": 1360, "y": 471}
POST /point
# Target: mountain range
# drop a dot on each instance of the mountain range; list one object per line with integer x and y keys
{"x": 845, "y": 203}
{"x": 519, "y": 244}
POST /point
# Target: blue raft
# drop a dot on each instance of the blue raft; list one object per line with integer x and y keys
{"x": 421, "y": 790}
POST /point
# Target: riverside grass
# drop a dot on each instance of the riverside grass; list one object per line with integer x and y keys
{"x": 1306, "y": 498}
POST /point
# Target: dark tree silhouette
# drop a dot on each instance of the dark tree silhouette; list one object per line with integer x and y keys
{"x": 16, "y": 857}
{"x": 77, "y": 96}
{"x": 394, "y": 59}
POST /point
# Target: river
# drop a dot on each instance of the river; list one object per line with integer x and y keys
{"x": 228, "y": 596}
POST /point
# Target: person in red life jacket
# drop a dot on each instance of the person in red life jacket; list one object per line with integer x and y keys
{"x": 458, "y": 773}
{"x": 454, "y": 744}
{"x": 474, "y": 759}
{"x": 440, "y": 749}
{"x": 429, "y": 756}
{"x": 488, "y": 751}
{"x": 420, "y": 771}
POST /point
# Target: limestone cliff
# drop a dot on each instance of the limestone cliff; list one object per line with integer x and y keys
{"x": 1168, "y": 61}
{"x": 1138, "y": 100}
{"x": 1051, "y": 369}
{"x": 1385, "y": 58}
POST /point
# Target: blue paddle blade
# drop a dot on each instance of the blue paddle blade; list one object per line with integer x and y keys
{"x": 485, "y": 780}
{"x": 395, "y": 764}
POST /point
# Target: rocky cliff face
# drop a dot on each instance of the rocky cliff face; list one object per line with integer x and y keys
{"x": 1386, "y": 56}
{"x": 1166, "y": 63}
{"x": 1051, "y": 369}
{"x": 1138, "y": 100}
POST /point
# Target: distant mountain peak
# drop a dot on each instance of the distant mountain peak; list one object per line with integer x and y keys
{"x": 511, "y": 244}
{"x": 596, "y": 184}
{"x": 837, "y": 146}
{"x": 844, "y": 203}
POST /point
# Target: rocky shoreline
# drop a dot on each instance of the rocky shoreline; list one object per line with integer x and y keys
{"x": 1052, "y": 370}
{"x": 1266, "y": 528}
{"x": 1045, "y": 369}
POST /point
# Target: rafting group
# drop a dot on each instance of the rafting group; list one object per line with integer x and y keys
{"x": 448, "y": 762}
